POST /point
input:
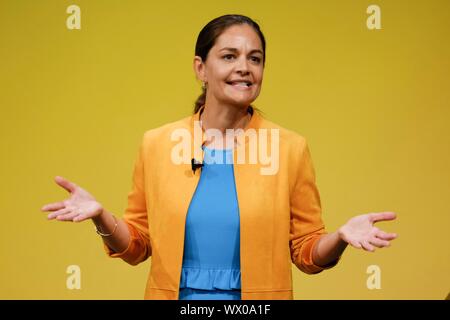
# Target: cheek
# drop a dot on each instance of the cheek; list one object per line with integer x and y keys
{"x": 219, "y": 82}
{"x": 259, "y": 76}
{"x": 220, "y": 73}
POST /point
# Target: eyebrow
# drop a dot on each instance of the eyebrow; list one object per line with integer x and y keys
{"x": 235, "y": 50}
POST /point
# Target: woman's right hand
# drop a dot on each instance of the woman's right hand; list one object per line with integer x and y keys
{"x": 80, "y": 206}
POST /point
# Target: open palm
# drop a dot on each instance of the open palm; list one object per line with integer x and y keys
{"x": 81, "y": 205}
{"x": 360, "y": 231}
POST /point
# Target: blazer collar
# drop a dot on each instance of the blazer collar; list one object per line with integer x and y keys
{"x": 254, "y": 122}
{"x": 196, "y": 129}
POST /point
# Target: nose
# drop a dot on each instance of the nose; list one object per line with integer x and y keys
{"x": 242, "y": 66}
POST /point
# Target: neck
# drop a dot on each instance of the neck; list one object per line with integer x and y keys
{"x": 222, "y": 117}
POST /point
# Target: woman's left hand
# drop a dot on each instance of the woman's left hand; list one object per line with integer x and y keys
{"x": 360, "y": 232}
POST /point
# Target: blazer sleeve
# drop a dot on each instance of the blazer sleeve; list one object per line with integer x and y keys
{"x": 139, "y": 248}
{"x": 306, "y": 225}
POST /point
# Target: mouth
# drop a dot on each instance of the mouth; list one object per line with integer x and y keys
{"x": 242, "y": 85}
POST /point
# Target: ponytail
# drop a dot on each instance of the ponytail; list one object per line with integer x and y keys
{"x": 200, "y": 101}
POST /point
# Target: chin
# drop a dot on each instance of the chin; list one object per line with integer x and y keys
{"x": 242, "y": 104}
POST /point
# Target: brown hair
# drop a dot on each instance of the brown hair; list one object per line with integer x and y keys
{"x": 208, "y": 36}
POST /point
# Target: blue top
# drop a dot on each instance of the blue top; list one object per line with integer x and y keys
{"x": 211, "y": 257}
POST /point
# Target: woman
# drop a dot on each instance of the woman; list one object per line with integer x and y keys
{"x": 220, "y": 230}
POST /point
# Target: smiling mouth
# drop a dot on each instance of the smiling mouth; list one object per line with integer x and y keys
{"x": 239, "y": 84}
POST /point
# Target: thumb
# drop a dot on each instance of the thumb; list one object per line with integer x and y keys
{"x": 66, "y": 184}
{"x": 381, "y": 216}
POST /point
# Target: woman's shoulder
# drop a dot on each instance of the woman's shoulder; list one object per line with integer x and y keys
{"x": 167, "y": 129}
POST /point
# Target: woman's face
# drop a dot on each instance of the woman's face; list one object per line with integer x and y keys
{"x": 234, "y": 68}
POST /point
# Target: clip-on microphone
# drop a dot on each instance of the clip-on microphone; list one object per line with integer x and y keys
{"x": 195, "y": 165}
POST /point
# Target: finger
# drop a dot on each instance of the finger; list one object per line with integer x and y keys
{"x": 379, "y": 243}
{"x": 355, "y": 244}
{"x": 386, "y": 236}
{"x": 67, "y": 217}
{"x": 381, "y": 216}
{"x": 59, "y": 212}
{"x": 80, "y": 217}
{"x": 367, "y": 246}
{"x": 53, "y": 206}
{"x": 66, "y": 184}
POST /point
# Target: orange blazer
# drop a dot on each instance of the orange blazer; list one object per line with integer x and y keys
{"x": 280, "y": 214}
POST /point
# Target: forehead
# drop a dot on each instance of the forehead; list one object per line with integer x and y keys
{"x": 240, "y": 36}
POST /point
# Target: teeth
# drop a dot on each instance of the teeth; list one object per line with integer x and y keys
{"x": 247, "y": 84}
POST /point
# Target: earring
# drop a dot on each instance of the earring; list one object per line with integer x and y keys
{"x": 203, "y": 85}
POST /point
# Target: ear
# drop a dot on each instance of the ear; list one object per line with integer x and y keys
{"x": 199, "y": 69}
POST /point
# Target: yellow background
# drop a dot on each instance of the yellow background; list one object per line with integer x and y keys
{"x": 373, "y": 104}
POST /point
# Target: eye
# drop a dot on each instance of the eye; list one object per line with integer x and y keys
{"x": 227, "y": 55}
{"x": 256, "y": 59}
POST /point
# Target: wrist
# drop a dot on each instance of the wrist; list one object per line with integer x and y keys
{"x": 341, "y": 235}
{"x": 100, "y": 215}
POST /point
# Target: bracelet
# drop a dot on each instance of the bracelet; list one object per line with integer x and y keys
{"x": 107, "y": 234}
